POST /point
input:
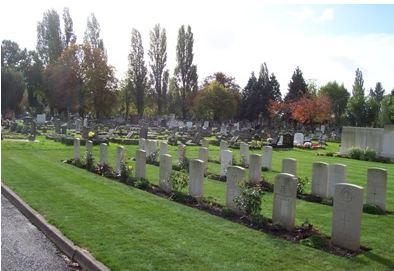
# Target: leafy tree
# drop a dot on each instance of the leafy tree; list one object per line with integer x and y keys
{"x": 276, "y": 95}
{"x": 69, "y": 35}
{"x": 92, "y": 33}
{"x": 158, "y": 60}
{"x": 137, "y": 72}
{"x": 100, "y": 84}
{"x": 386, "y": 115}
{"x": 12, "y": 89}
{"x": 258, "y": 94}
{"x": 372, "y": 108}
{"x": 356, "y": 108}
{"x": 174, "y": 98}
{"x": 185, "y": 70}
{"x": 310, "y": 110}
{"x": 377, "y": 93}
{"x": 49, "y": 37}
{"x": 297, "y": 86}
{"x": 215, "y": 102}
{"x": 11, "y": 54}
{"x": 339, "y": 97}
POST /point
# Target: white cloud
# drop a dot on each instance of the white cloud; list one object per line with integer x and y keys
{"x": 309, "y": 14}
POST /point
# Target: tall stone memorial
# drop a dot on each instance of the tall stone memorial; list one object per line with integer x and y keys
{"x": 285, "y": 193}
{"x": 377, "y": 187}
{"x": 347, "y": 213}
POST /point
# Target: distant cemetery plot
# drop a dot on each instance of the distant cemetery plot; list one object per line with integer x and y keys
{"x": 240, "y": 167}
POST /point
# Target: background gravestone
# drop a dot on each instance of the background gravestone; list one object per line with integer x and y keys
{"x": 289, "y": 165}
{"x": 320, "y": 179}
{"x": 336, "y": 174}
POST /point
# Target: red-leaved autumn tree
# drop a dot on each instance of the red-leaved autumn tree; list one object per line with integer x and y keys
{"x": 311, "y": 110}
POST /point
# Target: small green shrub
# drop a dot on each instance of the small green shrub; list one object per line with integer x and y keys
{"x": 302, "y": 182}
{"x": 369, "y": 154}
{"x": 153, "y": 158}
{"x": 126, "y": 171}
{"x": 250, "y": 200}
{"x": 373, "y": 209}
{"x": 178, "y": 180}
{"x": 315, "y": 241}
{"x": 142, "y": 183}
{"x": 356, "y": 153}
{"x": 106, "y": 171}
{"x": 184, "y": 164}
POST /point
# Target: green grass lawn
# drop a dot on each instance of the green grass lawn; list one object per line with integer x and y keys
{"x": 129, "y": 229}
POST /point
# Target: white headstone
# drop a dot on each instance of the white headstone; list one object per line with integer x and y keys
{"x": 140, "y": 164}
{"x": 267, "y": 157}
{"x": 235, "y": 178}
{"x": 196, "y": 178}
{"x": 77, "y": 144}
{"x": 298, "y": 139}
{"x": 189, "y": 124}
{"x": 244, "y": 152}
{"x": 142, "y": 144}
{"x": 89, "y": 146}
{"x": 206, "y": 124}
{"x": 377, "y": 187}
{"x": 203, "y": 155}
{"x": 255, "y": 162}
{"x": 163, "y": 148}
{"x": 223, "y": 147}
{"x": 289, "y": 165}
{"x": 336, "y": 174}
{"x": 320, "y": 179}
{"x": 205, "y": 143}
{"x": 103, "y": 154}
{"x": 119, "y": 158}
{"x": 165, "y": 172}
{"x": 347, "y": 213}
{"x": 227, "y": 160}
{"x": 285, "y": 193}
{"x": 181, "y": 152}
{"x": 41, "y": 118}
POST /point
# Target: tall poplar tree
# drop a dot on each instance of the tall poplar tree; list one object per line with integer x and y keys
{"x": 137, "y": 72}
{"x": 158, "y": 60}
{"x": 185, "y": 70}
{"x": 49, "y": 37}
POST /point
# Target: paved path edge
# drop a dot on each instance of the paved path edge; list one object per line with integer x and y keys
{"x": 65, "y": 245}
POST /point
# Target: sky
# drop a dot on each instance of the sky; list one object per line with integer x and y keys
{"x": 327, "y": 41}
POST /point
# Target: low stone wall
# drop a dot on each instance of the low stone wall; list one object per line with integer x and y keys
{"x": 379, "y": 139}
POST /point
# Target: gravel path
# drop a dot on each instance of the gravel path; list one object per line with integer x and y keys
{"x": 24, "y": 247}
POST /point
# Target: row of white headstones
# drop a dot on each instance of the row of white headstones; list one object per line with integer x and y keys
{"x": 328, "y": 181}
